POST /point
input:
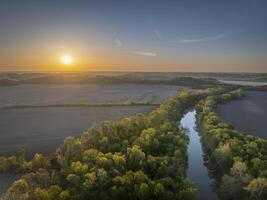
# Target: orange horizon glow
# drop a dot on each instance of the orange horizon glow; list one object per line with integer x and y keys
{"x": 53, "y": 62}
{"x": 96, "y": 36}
{"x": 94, "y": 62}
{"x": 73, "y": 68}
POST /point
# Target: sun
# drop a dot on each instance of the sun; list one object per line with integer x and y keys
{"x": 67, "y": 59}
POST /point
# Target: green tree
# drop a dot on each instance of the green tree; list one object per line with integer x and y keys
{"x": 79, "y": 168}
{"x": 257, "y": 187}
{"x": 40, "y": 194}
{"x": 90, "y": 179}
{"x": 64, "y": 195}
{"x": 18, "y": 191}
{"x": 135, "y": 157}
{"x": 74, "y": 180}
{"x": 54, "y": 192}
{"x": 40, "y": 161}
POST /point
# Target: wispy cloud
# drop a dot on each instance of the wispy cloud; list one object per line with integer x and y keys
{"x": 118, "y": 42}
{"x": 143, "y": 53}
{"x": 204, "y": 39}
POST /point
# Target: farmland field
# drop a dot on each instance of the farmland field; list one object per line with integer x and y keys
{"x": 248, "y": 114}
{"x": 27, "y": 94}
{"x": 43, "y": 129}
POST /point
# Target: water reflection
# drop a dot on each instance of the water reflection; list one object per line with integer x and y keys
{"x": 197, "y": 172}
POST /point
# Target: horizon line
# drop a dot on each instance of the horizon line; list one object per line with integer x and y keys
{"x": 129, "y": 71}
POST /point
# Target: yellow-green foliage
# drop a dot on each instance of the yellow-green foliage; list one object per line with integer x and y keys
{"x": 242, "y": 158}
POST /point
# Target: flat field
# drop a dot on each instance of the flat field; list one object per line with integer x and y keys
{"x": 27, "y": 94}
{"x": 42, "y": 130}
{"x": 248, "y": 114}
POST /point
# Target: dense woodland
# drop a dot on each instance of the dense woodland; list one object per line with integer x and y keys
{"x": 140, "y": 157}
{"x": 237, "y": 160}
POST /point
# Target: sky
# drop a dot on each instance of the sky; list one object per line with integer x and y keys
{"x": 134, "y": 35}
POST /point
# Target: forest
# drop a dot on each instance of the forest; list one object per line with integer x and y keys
{"x": 237, "y": 160}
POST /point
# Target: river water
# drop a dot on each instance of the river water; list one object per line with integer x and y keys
{"x": 197, "y": 172}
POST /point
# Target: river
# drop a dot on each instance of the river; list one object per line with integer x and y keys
{"x": 197, "y": 172}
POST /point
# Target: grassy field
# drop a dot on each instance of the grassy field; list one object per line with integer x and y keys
{"x": 43, "y": 129}
{"x": 248, "y": 114}
{"x": 82, "y": 94}
{"x": 52, "y": 112}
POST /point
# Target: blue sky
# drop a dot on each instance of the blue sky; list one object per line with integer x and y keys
{"x": 122, "y": 35}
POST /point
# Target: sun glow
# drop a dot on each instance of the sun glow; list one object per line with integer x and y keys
{"x": 67, "y": 60}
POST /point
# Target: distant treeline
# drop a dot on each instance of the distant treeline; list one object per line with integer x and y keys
{"x": 183, "y": 81}
{"x": 139, "y": 157}
{"x": 237, "y": 161}
{"x": 8, "y": 82}
{"x": 256, "y": 88}
{"x": 121, "y": 79}
{"x": 132, "y": 103}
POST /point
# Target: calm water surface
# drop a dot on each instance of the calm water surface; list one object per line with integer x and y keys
{"x": 197, "y": 172}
